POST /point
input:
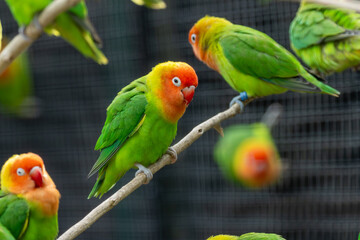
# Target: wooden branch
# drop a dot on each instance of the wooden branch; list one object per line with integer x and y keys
{"x": 140, "y": 179}
{"x": 347, "y": 4}
{"x": 20, "y": 43}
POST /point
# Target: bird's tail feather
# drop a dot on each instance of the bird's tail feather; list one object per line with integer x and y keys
{"x": 78, "y": 36}
{"x": 326, "y": 89}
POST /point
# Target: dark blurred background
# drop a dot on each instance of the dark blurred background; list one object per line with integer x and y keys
{"x": 318, "y": 137}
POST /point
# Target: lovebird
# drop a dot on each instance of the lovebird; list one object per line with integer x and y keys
{"x": 73, "y": 25}
{"x": 154, "y": 4}
{"x": 250, "y": 61}
{"x": 17, "y": 90}
{"x": 29, "y": 200}
{"x": 249, "y": 236}
{"x": 326, "y": 38}
{"x": 141, "y": 122}
{"x": 248, "y": 155}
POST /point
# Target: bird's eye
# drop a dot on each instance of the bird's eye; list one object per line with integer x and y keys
{"x": 193, "y": 37}
{"x": 20, "y": 171}
{"x": 176, "y": 81}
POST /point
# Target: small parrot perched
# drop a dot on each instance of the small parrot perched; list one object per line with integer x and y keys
{"x": 74, "y": 25}
{"x": 29, "y": 200}
{"x": 141, "y": 122}
{"x": 326, "y": 38}
{"x": 247, "y": 155}
{"x": 154, "y": 4}
{"x": 250, "y": 61}
{"x": 16, "y": 89}
{"x": 249, "y": 236}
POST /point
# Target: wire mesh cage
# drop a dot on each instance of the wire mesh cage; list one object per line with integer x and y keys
{"x": 317, "y": 136}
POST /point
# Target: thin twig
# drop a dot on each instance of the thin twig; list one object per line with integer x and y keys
{"x": 20, "y": 43}
{"x": 140, "y": 179}
{"x": 347, "y": 4}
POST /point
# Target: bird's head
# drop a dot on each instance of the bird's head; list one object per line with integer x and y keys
{"x": 173, "y": 85}
{"x": 256, "y": 164}
{"x": 203, "y": 32}
{"x": 23, "y": 173}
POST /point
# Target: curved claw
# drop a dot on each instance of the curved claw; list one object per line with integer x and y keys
{"x": 36, "y": 22}
{"x": 22, "y": 33}
{"x": 144, "y": 170}
{"x": 171, "y": 151}
{"x": 238, "y": 99}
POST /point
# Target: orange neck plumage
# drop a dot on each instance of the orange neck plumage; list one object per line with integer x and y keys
{"x": 45, "y": 198}
{"x": 170, "y": 112}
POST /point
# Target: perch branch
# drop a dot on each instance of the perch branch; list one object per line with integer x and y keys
{"x": 347, "y": 4}
{"x": 140, "y": 179}
{"x": 20, "y": 43}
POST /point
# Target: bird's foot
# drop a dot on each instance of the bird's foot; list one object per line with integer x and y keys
{"x": 239, "y": 100}
{"x": 171, "y": 151}
{"x": 36, "y": 22}
{"x": 144, "y": 170}
{"x": 37, "y": 25}
{"x": 23, "y": 34}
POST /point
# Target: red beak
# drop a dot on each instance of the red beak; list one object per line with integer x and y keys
{"x": 36, "y": 176}
{"x": 188, "y": 94}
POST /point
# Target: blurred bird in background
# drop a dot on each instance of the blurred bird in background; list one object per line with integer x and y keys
{"x": 73, "y": 25}
{"x": 247, "y": 153}
{"x": 250, "y": 61}
{"x": 249, "y": 236}
{"x": 17, "y": 90}
{"x": 154, "y": 4}
{"x": 29, "y": 200}
{"x": 326, "y": 38}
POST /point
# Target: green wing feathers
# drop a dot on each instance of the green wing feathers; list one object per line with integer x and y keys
{"x": 326, "y": 39}
{"x": 73, "y": 25}
{"x": 312, "y": 28}
{"x": 124, "y": 116}
{"x": 14, "y": 214}
{"x": 260, "y": 236}
{"x": 247, "y": 49}
{"x": 154, "y": 4}
{"x": 79, "y": 33}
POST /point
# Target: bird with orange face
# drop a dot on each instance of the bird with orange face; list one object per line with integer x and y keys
{"x": 29, "y": 200}
{"x": 142, "y": 122}
{"x": 248, "y": 155}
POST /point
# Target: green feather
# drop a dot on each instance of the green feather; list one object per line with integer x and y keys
{"x": 14, "y": 213}
{"x": 154, "y": 4}
{"x": 5, "y": 234}
{"x": 260, "y": 236}
{"x": 327, "y": 39}
{"x": 24, "y": 220}
{"x": 253, "y": 62}
{"x": 134, "y": 132}
{"x": 73, "y": 25}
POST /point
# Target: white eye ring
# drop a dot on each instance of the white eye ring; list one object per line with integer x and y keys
{"x": 20, "y": 172}
{"x": 193, "y": 37}
{"x": 176, "y": 81}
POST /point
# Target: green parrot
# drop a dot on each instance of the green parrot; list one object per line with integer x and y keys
{"x": 326, "y": 38}
{"x": 154, "y": 4}
{"x": 29, "y": 200}
{"x": 141, "y": 122}
{"x": 248, "y": 155}
{"x": 74, "y": 25}
{"x": 16, "y": 89}
{"x": 249, "y": 236}
{"x": 250, "y": 61}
